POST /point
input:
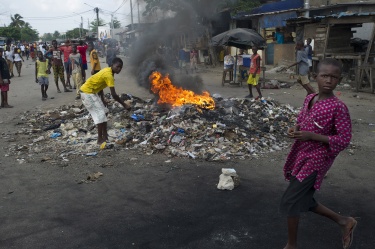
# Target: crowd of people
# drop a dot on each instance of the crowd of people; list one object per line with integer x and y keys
{"x": 68, "y": 61}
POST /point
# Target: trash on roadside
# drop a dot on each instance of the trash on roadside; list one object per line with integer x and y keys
{"x": 92, "y": 154}
{"x": 94, "y": 176}
{"x": 236, "y": 128}
{"x": 55, "y": 135}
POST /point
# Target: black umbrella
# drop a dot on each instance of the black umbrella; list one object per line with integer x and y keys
{"x": 239, "y": 38}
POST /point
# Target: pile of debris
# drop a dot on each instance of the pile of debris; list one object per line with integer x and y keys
{"x": 236, "y": 128}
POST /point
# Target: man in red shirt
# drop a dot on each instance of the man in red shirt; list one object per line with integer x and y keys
{"x": 67, "y": 50}
{"x": 254, "y": 73}
{"x": 82, "y": 48}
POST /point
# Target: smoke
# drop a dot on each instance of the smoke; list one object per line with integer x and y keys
{"x": 165, "y": 36}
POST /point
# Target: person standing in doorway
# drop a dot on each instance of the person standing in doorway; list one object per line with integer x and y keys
{"x": 279, "y": 36}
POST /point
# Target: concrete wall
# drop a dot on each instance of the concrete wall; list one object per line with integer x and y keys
{"x": 284, "y": 53}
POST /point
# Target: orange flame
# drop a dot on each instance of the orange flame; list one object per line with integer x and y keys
{"x": 176, "y": 96}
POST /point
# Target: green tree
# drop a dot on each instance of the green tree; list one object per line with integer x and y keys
{"x": 74, "y": 33}
{"x": 10, "y": 32}
{"x": 29, "y": 34}
{"x": 56, "y": 34}
{"x": 17, "y": 21}
{"x": 94, "y": 25}
{"x": 116, "y": 24}
{"x": 47, "y": 37}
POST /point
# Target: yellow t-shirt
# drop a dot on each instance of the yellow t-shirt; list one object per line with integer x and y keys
{"x": 94, "y": 59}
{"x": 42, "y": 66}
{"x": 104, "y": 78}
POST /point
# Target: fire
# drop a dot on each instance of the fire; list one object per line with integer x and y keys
{"x": 176, "y": 96}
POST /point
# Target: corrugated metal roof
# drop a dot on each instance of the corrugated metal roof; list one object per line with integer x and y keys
{"x": 338, "y": 15}
{"x": 347, "y": 13}
{"x": 271, "y": 8}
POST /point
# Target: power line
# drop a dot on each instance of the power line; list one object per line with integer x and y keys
{"x": 56, "y": 17}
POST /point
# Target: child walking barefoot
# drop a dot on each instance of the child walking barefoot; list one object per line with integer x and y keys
{"x": 254, "y": 73}
{"x": 323, "y": 129}
{"x": 42, "y": 69}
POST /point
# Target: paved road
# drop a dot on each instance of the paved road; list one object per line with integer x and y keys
{"x": 143, "y": 202}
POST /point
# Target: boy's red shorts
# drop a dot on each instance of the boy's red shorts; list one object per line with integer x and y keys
{"x": 4, "y": 87}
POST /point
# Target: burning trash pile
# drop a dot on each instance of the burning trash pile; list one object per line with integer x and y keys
{"x": 198, "y": 126}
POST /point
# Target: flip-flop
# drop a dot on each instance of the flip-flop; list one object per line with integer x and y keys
{"x": 349, "y": 235}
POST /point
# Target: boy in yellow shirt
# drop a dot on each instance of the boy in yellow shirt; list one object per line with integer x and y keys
{"x": 42, "y": 69}
{"x": 93, "y": 97}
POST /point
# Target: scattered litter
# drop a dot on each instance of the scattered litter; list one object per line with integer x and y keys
{"x": 94, "y": 176}
{"x": 55, "y": 135}
{"x": 237, "y": 128}
{"x": 92, "y": 154}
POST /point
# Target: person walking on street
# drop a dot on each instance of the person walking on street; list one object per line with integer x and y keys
{"x": 94, "y": 59}
{"x": 76, "y": 69}
{"x": 18, "y": 59}
{"x": 303, "y": 68}
{"x": 323, "y": 129}
{"x": 4, "y": 81}
{"x": 33, "y": 51}
{"x": 27, "y": 51}
{"x": 193, "y": 60}
{"x": 42, "y": 70}
{"x": 67, "y": 50}
{"x": 111, "y": 54}
{"x": 309, "y": 52}
{"x": 58, "y": 67}
{"x": 93, "y": 97}
{"x": 254, "y": 73}
{"x": 9, "y": 56}
{"x": 82, "y": 48}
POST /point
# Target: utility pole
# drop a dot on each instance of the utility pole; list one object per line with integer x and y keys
{"x": 97, "y": 20}
{"x": 80, "y": 32}
{"x": 81, "y": 26}
{"x": 88, "y": 24}
{"x": 139, "y": 18}
{"x": 131, "y": 14}
{"x": 112, "y": 27}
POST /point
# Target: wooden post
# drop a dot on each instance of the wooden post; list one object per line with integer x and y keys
{"x": 326, "y": 41}
{"x": 365, "y": 62}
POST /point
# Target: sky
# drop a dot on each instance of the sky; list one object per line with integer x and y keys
{"x": 46, "y": 16}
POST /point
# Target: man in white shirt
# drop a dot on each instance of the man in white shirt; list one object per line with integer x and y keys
{"x": 9, "y": 56}
{"x": 22, "y": 47}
